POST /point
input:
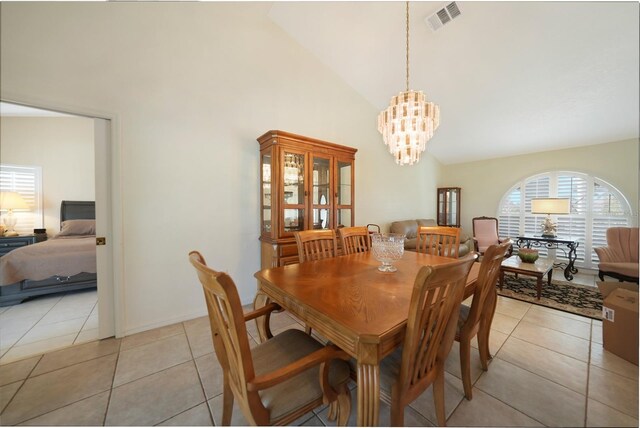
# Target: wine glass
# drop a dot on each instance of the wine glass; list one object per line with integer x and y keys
{"x": 387, "y": 248}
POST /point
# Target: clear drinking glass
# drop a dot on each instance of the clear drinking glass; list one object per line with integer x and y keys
{"x": 387, "y": 248}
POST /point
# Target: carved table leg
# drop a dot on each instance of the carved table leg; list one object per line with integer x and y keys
{"x": 368, "y": 394}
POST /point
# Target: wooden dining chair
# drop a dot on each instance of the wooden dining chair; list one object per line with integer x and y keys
{"x": 316, "y": 244}
{"x": 354, "y": 239}
{"x": 476, "y": 319}
{"x": 279, "y": 380}
{"x": 438, "y": 240}
{"x": 431, "y": 327}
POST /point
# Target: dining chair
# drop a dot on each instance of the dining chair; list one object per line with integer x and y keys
{"x": 316, "y": 244}
{"x": 279, "y": 380}
{"x": 431, "y": 327}
{"x": 475, "y": 320}
{"x": 354, "y": 239}
{"x": 438, "y": 240}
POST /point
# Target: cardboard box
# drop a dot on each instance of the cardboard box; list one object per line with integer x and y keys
{"x": 620, "y": 324}
{"x": 607, "y": 287}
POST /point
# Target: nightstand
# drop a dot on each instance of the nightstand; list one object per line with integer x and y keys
{"x": 10, "y": 243}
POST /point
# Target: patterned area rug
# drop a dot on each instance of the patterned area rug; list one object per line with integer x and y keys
{"x": 565, "y": 296}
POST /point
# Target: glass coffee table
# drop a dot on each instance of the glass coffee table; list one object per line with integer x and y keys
{"x": 539, "y": 269}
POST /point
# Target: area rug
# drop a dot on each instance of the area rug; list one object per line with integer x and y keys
{"x": 565, "y": 296}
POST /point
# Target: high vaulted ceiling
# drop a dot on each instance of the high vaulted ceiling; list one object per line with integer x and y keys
{"x": 509, "y": 77}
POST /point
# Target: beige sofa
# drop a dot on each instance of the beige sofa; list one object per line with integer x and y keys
{"x": 410, "y": 229}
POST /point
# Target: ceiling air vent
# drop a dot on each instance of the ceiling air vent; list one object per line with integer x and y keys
{"x": 443, "y": 16}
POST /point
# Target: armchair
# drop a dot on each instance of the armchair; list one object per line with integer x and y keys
{"x": 619, "y": 259}
{"x": 485, "y": 234}
{"x": 279, "y": 380}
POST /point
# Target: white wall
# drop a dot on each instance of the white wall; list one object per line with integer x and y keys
{"x": 63, "y": 148}
{"x": 191, "y": 86}
{"x": 484, "y": 183}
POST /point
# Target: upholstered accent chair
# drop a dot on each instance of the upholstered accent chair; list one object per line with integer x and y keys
{"x": 485, "y": 234}
{"x": 475, "y": 320}
{"x": 431, "y": 326}
{"x": 278, "y": 380}
{"x": 619, "y": 259}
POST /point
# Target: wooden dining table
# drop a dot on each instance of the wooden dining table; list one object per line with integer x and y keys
{"x": 350, "y": 302}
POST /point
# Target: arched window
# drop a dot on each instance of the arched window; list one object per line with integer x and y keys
{"x": 595, "y": 206}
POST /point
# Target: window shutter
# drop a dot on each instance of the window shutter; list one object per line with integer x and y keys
{"x": 595, "y": 207}
{"x": 27, "y": 181}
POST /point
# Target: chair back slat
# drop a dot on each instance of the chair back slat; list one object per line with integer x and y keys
{"x": 439, "y": 240}
{"x": 433, "y": 313}
{"x": 316, "y": 244}
{"x": 355, "y": 239}
{"x": 485, "y": 292}
{"x": 228, "y": 329}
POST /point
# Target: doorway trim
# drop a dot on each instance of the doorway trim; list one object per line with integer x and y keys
{"x": 107, "y": 148}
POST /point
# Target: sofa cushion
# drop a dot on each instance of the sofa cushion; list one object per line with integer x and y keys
{"x": 407, "y": 227}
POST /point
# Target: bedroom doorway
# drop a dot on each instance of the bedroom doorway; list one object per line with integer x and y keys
{"x": 101, "y": 321}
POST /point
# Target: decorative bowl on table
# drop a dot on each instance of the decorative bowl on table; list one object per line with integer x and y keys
{"x": 528, "y": 255}
{"x": 387, "y": 248}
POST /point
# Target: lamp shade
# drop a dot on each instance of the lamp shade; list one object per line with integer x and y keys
{"x": 550, "y": 206}
{"x": 12, "y": 201}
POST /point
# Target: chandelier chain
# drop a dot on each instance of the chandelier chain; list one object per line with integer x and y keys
{"x": 407, "y": 46}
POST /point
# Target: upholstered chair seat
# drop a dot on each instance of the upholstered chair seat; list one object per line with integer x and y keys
{"x": 292, "y": 394}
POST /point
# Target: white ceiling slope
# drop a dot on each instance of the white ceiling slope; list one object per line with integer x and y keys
{"x": 510, "y": 77}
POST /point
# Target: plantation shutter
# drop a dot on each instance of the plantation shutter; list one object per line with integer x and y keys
{"x": 595, "y": 207}
{"x": 27, "y": 181}
{"x": 509, "y": 217}
{"x": 573, "y": 225}
{"x": 608, "y": 211}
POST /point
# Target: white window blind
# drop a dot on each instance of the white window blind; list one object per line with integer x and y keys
{"x": 595, "y": 206}
{"x": 27, "y": 181}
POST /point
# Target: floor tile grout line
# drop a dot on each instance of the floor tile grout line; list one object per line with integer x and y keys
{"x": 21, "y": 385}
{"x": 113, "y": 379}
{"x": 186, "y": 410}
{"x": 195, "y": 364}
{"x": 31, "y": 328}
{"x": 586, "y": 397}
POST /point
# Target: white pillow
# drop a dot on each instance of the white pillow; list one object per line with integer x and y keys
{"x": 77, "y": 228}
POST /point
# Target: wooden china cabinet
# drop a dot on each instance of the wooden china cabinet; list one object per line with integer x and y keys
{"x": 304, "y": 184}
{"x": 449, "y": 206}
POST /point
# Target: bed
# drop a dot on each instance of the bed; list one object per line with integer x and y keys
{"x": 65, "y": 262}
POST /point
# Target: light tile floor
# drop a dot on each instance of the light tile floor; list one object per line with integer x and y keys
{"x": 545, "y": 371}
{"x": 47, "y": 323}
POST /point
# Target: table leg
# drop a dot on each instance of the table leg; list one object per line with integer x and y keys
{"x": 368, "y": 394}
{"x": 570, "y": 269}
{"x": 549, "y": 277}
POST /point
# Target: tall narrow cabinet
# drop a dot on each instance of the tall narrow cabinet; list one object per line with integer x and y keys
{"x": 304, "y": 184}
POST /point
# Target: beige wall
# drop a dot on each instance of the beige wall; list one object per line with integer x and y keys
{"x": 191, "y": 86}
{"x": 484, "y": 183}
{"x": 63, "y": 148}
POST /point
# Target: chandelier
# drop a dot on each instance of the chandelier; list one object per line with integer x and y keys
{"x": 409, "y": 121}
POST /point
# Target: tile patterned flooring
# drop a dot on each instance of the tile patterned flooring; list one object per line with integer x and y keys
{"x": 549, "y": 368}
{"x": 47, "y": 323}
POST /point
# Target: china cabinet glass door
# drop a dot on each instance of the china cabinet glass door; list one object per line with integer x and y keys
{"x": 344, "y": 193}
{"x": 266, "y": 181}
{"x": 321, "y": 193}
{"x": 293, "y": 168}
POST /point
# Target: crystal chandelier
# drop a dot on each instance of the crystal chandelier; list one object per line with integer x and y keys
{"x": 409, "y": 121}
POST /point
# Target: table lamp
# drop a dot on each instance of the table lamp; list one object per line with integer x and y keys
{"x": 10, "y": 201}
{"x": 550, "y": 206}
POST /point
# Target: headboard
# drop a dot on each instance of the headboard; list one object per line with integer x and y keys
{"x": 77, "y": 210}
